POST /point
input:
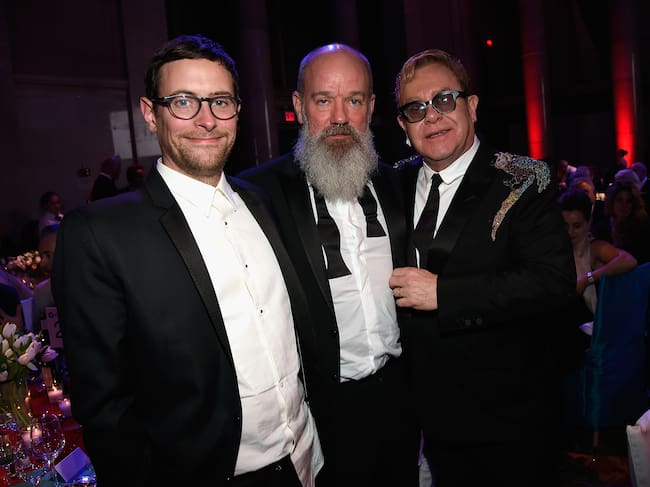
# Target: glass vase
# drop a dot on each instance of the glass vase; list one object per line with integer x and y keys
{"x": 12, "y": 400}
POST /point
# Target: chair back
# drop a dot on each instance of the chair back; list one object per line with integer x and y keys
{"x": 610, "y": 387}
{"x": 614, "y": 371}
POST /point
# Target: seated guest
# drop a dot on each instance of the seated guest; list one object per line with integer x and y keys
{"x": 585, "y": 183}
{"x": 51, "y": 210}
{"x": 626, "y": 224}
{"x": 593, "y": 259}
{"x": 10, "y": 311}
{"x": 43, "y": 290}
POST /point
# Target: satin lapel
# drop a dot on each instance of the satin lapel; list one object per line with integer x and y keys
{"x": 409, "y": 183}
{"x": 475, "y": 183}
{"x": 299, "y": 202}
{"x": 392, "y": 206}
{"x": 180, "y": 234}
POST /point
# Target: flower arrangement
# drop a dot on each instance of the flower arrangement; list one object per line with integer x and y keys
{"x": 27, "y": 263}
{"x": 20, "y": 353}
{"x": 26, "y": 267}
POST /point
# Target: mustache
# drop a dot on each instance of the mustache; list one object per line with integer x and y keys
{"x": 339, "y": 130}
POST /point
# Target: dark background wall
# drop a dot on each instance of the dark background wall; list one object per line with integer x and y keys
{"x": 67, "y": 69}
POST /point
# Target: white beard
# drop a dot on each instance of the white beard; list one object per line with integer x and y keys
{"x": 338, "y": 171}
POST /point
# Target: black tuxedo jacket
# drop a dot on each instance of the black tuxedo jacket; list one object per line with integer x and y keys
{"x": 482, "y": 363}
{"x": 286, "y": 186}
{"x": 152, "y": 374}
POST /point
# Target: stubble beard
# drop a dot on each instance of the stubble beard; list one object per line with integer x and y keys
{"x": 201, "y": 163}
{"x": 339, "y": 170}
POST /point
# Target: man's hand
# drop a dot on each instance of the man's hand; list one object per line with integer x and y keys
{"x": 414, "y": 288}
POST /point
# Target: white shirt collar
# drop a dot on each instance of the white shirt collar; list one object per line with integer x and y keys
{"x": 201, "y": 195}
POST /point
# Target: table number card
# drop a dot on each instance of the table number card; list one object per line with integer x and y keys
{"x": 51, "y": 324}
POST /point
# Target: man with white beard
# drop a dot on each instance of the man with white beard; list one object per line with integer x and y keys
{"x": 341, "y": 216}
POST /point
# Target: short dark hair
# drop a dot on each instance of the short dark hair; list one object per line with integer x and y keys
{"x": 45, "y": 199}
{"x": 188, "y": 47}
{"x": 575, "y": 199}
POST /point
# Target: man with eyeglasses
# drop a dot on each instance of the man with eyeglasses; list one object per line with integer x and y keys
{"x": 180, "y": 307}
{"x": 490, "y": 261}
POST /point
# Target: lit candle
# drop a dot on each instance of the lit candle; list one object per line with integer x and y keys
{"x": 64, "y": 406}
{"x": 55, "y": 395}
{"x": 29, "y": 436}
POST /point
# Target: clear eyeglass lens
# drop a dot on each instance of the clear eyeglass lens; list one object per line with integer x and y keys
{"x": 187, "y": 107}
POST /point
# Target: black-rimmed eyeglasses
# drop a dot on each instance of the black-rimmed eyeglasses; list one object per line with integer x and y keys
{"x": 186, "y": 107}
{"x": 443, "y": 102}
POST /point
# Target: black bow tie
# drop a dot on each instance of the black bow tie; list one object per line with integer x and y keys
{"x": 331, "y": 238}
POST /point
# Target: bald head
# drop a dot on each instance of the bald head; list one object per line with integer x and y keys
{"x": 328, "y": 50}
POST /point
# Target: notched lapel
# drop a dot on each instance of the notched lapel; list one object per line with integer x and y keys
{"x": 299, "y": 202}
{"x": 180, "y": 234}
{"x": 471, "y": 191}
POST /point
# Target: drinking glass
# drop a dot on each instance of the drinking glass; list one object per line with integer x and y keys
{"x": 47, "y": 438}
{"x": 28, "y": 466}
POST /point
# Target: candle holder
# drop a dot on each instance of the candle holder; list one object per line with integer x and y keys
{"x": 65, "y": 407}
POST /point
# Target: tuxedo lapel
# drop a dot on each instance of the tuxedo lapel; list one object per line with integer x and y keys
{"x": 180, "y": 234}
{"x": 409, "y": 175}
{"x": 393, "y": 210}
{"x": 475, "y": 183}
{"x": 269, "y": 227}
{"x": 294, "y": 186}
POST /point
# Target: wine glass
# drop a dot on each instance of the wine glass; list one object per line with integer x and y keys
{"x": 28, "y": 466}
{"x": 47, "y": 438}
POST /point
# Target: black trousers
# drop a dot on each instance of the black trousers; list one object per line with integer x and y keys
{"x": 376, "y": 434}
{"x": 278, "y": 474}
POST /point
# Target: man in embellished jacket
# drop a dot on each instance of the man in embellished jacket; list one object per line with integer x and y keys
{"x": 484, "y": 275}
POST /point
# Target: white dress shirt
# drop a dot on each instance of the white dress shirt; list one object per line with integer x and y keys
{"x": 451, "y": 176}
{"x": 256, "y": 311}
{"x": 363, "y": 302}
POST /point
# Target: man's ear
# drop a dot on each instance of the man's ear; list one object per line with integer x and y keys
{"x": 146, "y": 107}
{"x": 297, "y": 106}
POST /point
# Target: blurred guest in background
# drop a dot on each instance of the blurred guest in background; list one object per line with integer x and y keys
{"x": 642, "y": 172}
{"x": 104, "y": 185}
{"x": 10, "y": 309}
{"x": 628, "y": 176}
{"x": 493, "y": 262}
{"x": 180, "y": 308}
{"x": 563, "y": 172}
{"x": 585, "y": 183}
{"x": 593, "y": 259}
{"x": 340, "y": 215}
{"x": 626, "y": 224}
{"x": 43, "y": 290}
{"x": 619, "y": 163}
{"x": 134, "y": 177}
{"x": 51, "y": 207}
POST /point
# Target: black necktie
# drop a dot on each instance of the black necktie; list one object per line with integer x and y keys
{"x": 424, "y": 230}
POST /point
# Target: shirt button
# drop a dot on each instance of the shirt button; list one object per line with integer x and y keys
{"x": 334, "y": 332}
